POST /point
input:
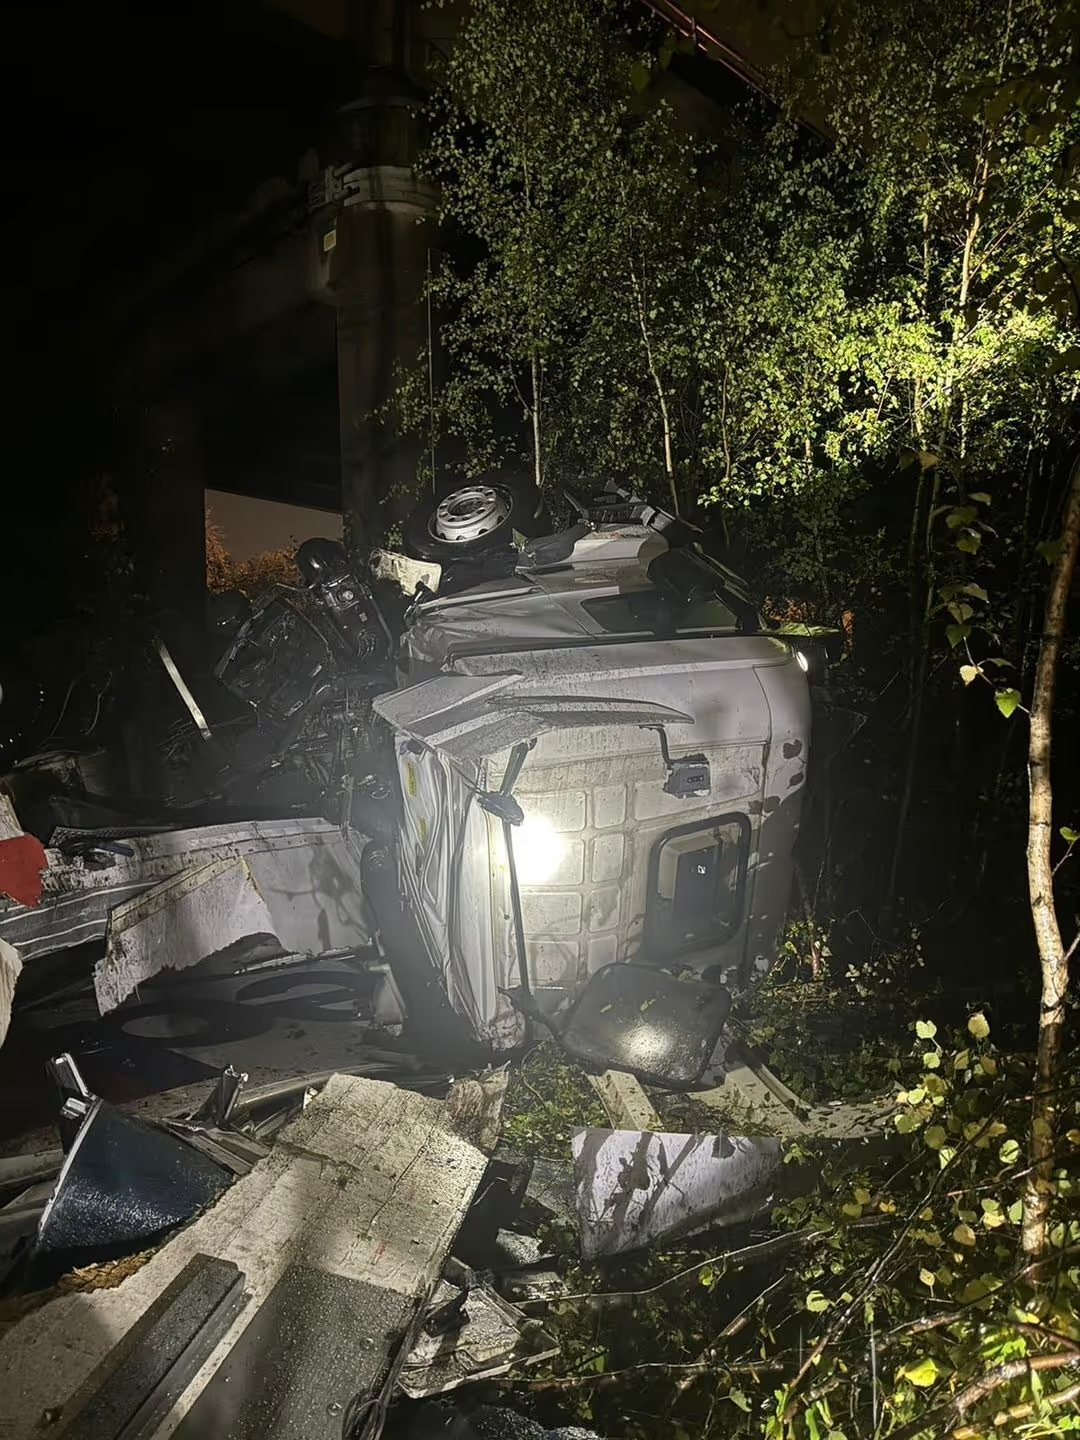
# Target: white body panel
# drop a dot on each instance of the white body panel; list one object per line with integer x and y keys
{"x": 521, "y": 658}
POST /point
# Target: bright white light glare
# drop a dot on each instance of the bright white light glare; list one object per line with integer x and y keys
{"x": 804, "y": 663}
{"x": 538, "y": 850}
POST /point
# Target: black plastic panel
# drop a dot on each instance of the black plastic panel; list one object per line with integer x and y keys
{"x": 123, "y": 1186}
{"x": 635, "y": 1018}
{"x": 317, "y": 1351}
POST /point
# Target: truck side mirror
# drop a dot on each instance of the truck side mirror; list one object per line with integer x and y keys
{"x": 644, "y": 1020}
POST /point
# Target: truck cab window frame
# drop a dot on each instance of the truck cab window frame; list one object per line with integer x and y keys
{"x": 696, "y": 892}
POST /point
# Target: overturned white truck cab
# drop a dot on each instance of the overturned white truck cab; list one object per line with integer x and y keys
{"x": 584, "y": 775}
{"x": 601, "y": 759}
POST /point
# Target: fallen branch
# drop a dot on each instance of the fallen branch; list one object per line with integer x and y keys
{"x": 1037, "y": 1264}
{"x": 1056, "y": 1399}
{"x": 661, "y": 1367}
{"x": 951, "y": 1317}
{"x": 1011, "y": 1370}
{"x": 733, "y": 1327}
{"x": 725, "y": 1263}
{"x": 845, "y": 1316}
{"x": 924, "y": 1323}
{"x": 986, "y": 1385}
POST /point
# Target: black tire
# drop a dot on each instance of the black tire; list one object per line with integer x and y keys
{"x": 528, "y": 516}
{"x": 419, "y": 542}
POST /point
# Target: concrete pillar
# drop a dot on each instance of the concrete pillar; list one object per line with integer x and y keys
{"x": 373, "y": 228}
{"x": 381, "y": 326}
{"x": 379, "y": 32}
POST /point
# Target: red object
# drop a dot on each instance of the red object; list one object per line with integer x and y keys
{"x": 21, "y": 862}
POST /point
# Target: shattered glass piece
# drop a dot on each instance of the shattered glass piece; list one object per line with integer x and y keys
{"x": 123, "y": 1185}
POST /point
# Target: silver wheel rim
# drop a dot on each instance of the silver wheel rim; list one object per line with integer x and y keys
{"x": 468, "y": 514}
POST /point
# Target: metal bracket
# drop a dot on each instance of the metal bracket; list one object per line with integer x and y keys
{"x": 182, "y": 689}
{"x": 687, "y": 775}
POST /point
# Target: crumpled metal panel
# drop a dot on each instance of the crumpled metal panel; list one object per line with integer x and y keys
{"x": 527, "y": 615}
{"x": 305, "y": 896}
{"x": 486, "y": 1341}
{"x": 188, "y": 918}
{"x": 537, "y": 606}
{"x": 77, "y": 897}
{"x": 471, "y": 717}
{"x": 636, "y": 1188}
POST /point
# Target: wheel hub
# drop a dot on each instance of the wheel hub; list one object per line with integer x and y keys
{"x": 468, "y": 514}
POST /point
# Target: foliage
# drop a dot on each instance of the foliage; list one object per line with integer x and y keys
{"x": 547, "y": 1098}
{"x": 906, "y": 290}
{"x": 832, "y": 1039}
{"x": 511, "y": 141}
{"x": 260, "y": 572}
{"x": 961, "y": 141}
{"x": 942, "y": 1297}
{"x": 905, "y": 1309}
{"x": 857, "y": 353}
{"x": 578, "y": 212}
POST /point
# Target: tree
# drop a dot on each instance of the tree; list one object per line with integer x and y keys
{"x": 970, "y": 160}
{"x": 639, "y": 228}
{"x": 259, "y": 573}
{"x": 1053, "y": 954}
{"x": 575, "y": 207}
{"x": 511, "y": 142}
{"x": 961, "y": 142}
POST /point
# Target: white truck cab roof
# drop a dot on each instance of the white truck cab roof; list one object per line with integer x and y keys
{"x": 602, "y": 589}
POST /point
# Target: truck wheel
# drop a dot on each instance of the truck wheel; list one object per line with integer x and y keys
{"x": 473, "y": 520}
{"x": 467, "y": 522}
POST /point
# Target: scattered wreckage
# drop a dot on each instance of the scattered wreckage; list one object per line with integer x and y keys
{"x": 302, "y": 1289}
{"x": 580, "y": 776}
{"x": 504, "y": 789}
{"x": 314, "y": 1256}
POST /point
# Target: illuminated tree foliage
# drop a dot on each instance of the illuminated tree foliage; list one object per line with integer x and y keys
{"x": 572, "y": 208}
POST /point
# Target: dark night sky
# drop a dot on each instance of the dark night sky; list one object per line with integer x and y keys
{"x": 128, "y": 125}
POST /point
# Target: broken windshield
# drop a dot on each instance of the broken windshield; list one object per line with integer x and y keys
{"x": 636, "y": 611}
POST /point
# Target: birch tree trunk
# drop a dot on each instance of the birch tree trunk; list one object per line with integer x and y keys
{"x": 661, "y": 397}
{"x": 1053, "y": 956}
{"x": 538, "y": 467}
